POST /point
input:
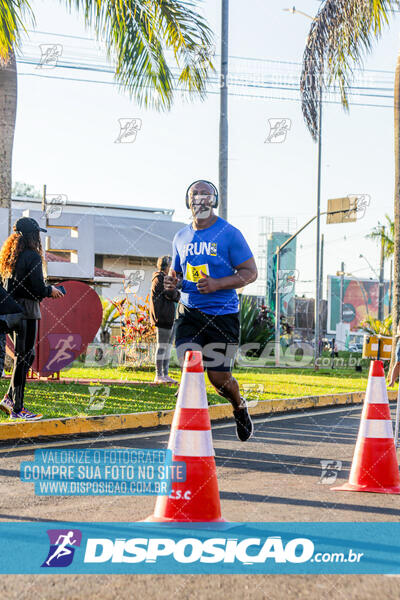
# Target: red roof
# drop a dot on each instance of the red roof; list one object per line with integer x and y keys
{"x": 55, "y": 257}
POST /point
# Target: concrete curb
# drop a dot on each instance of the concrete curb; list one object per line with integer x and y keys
{"x": 110, "y": 423}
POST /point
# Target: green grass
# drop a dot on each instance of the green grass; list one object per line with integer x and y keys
{"x": 64, "y": 400}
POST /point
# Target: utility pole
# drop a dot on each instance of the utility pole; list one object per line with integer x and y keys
{"x": 341, "y": 291}
{"x": 223, "y": 115}
{"x": 317, "y": 283}
{"x": 390, "y": 287}
{"x": 381, "y": 277}
{"x": 321, "y": 270}
{"x": 277, "y": 311}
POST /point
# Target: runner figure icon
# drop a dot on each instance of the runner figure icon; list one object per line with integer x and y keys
{"x": 64, "y": 347}
{"x": 62, "y": 549}
{"x": 63, "y": 543}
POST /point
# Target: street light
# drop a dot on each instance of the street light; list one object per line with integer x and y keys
{"x": 380, "y": 278}
{"x": 278, "y": 252}
{"x": 369, "y": 264}
{"x": 293, "y": 11}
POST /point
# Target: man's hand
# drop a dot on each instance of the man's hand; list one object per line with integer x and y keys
{"x": 207, "y": 285}
{"x": 170, "y": 281}
{"x": 392, "y": 377}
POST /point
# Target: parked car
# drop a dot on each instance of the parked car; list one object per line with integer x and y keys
{"x": 355, "y": 347}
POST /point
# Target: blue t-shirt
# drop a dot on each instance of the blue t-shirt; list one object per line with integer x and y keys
{"x": 216, "y": 251}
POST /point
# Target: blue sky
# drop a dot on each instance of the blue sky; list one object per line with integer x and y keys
{"x": 66, "y": 132}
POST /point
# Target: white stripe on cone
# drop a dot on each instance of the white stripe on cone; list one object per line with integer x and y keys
{"x": 191, "y": 443}
{"x": 376, "y": 391}
{"x": 192, "y": 391}
{"x": 376, "y": 428}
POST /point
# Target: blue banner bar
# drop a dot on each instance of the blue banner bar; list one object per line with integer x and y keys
{"x": 195, "y": 548}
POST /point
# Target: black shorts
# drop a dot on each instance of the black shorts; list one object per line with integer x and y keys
{"x": 216, "y": 336}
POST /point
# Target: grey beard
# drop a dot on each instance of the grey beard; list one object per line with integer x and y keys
{"x": 204, "y": 214}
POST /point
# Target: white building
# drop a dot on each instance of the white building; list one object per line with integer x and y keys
{"x": 101, "y": 244}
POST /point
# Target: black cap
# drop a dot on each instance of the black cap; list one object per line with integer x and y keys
{"x": 27, "y": 225}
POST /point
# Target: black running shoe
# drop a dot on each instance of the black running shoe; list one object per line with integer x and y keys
{"x": 244, "y": 424}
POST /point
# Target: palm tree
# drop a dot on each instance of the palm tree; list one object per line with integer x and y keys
{"x": 110, "y": 315}
{"x": 142, "y": 36}
{"x": 380, "y": 234}
{"x": 341, "y": 35}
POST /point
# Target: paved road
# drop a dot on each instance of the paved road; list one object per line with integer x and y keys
{"x": 274, "y": 477}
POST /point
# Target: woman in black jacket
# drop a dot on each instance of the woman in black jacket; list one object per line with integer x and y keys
{"x": 162, "y": 315}
{"x": 21, "y": 267}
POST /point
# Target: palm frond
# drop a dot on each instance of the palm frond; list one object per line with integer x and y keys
{"x": 110, "y": 312}
{"x": 13, "y": 13}
{"x": 376, "y": 327}
{"x": 387, "y": 234}
{"x": 340, "y": 37}
{"x": 145, "y": 38}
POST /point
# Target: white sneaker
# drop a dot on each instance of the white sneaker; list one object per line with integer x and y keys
{"x": 7, "y": 405}
{"x": 159, "y": 379}
{"x": 169, "y": 379}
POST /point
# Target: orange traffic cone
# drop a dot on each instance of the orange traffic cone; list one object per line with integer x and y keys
{"x": 375, "y": 467}
{"x": 197, "y": 498}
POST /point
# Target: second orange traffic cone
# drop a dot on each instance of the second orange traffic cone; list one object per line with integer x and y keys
{"x": 197, "y": 498}
{"x": 375, "y": 467}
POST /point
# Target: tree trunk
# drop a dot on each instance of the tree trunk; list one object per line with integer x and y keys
{"x": 105, "y": 336}
{"x": 396, "y": 254}
{"x": 8, "y": 111}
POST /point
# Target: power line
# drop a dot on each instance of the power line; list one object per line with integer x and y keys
{"x": 245, "y": 58}
{"x": 241, "y": 95}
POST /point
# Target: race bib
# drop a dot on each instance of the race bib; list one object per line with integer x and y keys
{"x": 193, "y": 273}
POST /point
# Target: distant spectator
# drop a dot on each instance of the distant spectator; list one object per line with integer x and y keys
{"x": 334, "y": 352}
{"x": 162, "y": 315}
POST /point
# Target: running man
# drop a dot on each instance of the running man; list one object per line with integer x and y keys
{"x": 62, "y": 549}
{"x": 394, "y": 373}
{"x": 213, "y": 259}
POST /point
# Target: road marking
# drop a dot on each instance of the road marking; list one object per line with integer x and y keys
{"x": 152, "y": 434}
